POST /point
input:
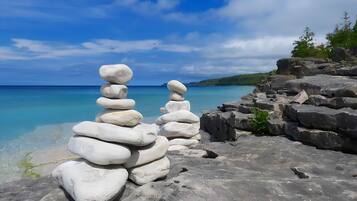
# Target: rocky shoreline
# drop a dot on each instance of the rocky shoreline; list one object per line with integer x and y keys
{"x": 252, "y": 168}
{"x": 313, "y": 101}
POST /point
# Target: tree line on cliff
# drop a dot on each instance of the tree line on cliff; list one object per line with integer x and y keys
{"x": 344, "y": 36}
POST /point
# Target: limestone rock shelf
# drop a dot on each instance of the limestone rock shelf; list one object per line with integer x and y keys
{"x": 253, "y": 168}
{"x": 309, "y": 100}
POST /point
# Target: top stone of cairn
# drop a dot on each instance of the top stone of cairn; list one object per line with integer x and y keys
{"x": 176, "y": 86}
{"x": 116, "y": 73}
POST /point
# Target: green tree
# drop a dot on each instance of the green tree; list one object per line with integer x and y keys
{"x": 354, "y": 29}
{"x": 343, "y": 36}
{"x": 305, "y": 47}
{"x": 354, "y": 35}
{"x": 305, "y": 44}
{"x": 346, "y": 26}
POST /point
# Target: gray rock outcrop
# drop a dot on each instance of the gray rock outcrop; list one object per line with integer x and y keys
{"x": 309, "y": 100}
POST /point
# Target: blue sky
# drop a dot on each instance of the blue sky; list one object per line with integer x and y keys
{"x": 64, "y": 42}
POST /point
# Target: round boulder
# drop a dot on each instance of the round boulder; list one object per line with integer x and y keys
{"x": 150, "y": 172}
{"x": 143, "y": 155}
{"x": 118, "y": 104}
{"x": 116, "y": 73}
{"x": 176, "y": 97}
{"x": 120, "y": 117}
{"x": 114, "y": 91}
{"x": 176, "y": 86}
{"x": 85, "y": 181}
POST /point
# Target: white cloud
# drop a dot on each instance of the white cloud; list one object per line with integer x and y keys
{"x": 35, "y": 49}
{"x": 116, "y": 46}
{"x": 267, "y": 46}
{"x": 9, "y": 54}
{"x": 178, "y": 48}
{"x": 286, "y": 16}
{"x": 245, "y": 66}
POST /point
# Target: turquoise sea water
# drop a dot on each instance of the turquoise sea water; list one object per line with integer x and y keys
{"x": 23, "y": 109}
{"x": 38, "y": 120}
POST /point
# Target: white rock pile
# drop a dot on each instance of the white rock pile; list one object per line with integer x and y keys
{"x": 178, "y": 124}
{"x": 115, "y": 147}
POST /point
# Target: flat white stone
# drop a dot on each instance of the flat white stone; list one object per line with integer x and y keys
{"x": 197, "y": 137}
{"x": 177, "y": 148}
{"x": 176, "y": 86}
{"x": 150, "y": 171}
{"x": 176, "y": 129}
{"x": 182, "y": 116}
{"x": 120, "y": 117}
{"x": 118, "y": 104}
{"x": 114, "y": 91}
{"x": 182, "y": 141}
{"x": 143, "y": 155}
{"x": 173, "y": 106}
{"x": 140, "y": 135}
{"x": 116, "y": 73}
{"x": 89, "y": 182}
{"x": 176, "y": 97}
{"x": 97, "y": 151}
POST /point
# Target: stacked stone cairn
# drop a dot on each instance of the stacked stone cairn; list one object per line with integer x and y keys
{"x": 115, "y": 147}
{"x": 178, "y": 124}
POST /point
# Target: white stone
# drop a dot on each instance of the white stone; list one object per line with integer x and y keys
{"x": 118, "y": 104}
{"x": 97, "y": 151}
{"x": 143, "y": 155}
{"x": 120, "y": 117}
{"x": 140, "y": 135}
{"x": 182, "y": 141}
{"x": 197, "y": 137}
{"x": 177, "y": 148}
{"x": 116, "y": 73}
{"x": 150, "y": 172}
{"x": 89, "y": 182}
{"x": 182, "y": 116}
{"x": 301, "y": 97}
{"x": 176, "y": 129}
{"x": 176, "y": 97}
{"x": 173, "y": 106}
{"x": 114, "y": 91}
{"x": 176, "y": 86}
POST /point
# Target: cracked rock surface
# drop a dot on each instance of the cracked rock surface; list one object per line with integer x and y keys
{"x": 253, "y": 168}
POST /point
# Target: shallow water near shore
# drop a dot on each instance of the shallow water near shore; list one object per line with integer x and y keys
{"x": 36, "y": 118}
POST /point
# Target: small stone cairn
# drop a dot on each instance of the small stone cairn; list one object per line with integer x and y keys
{"x": 115, "y": 147}
{"x": 178, "y": 124}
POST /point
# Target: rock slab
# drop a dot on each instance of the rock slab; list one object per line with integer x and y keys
{"x": 84, "y": 181}
{"x": 254, "y": 168}
{"x": 139, "y": 135}
{"x": 97, "y": 151}
{"x": 150, "y": 172}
